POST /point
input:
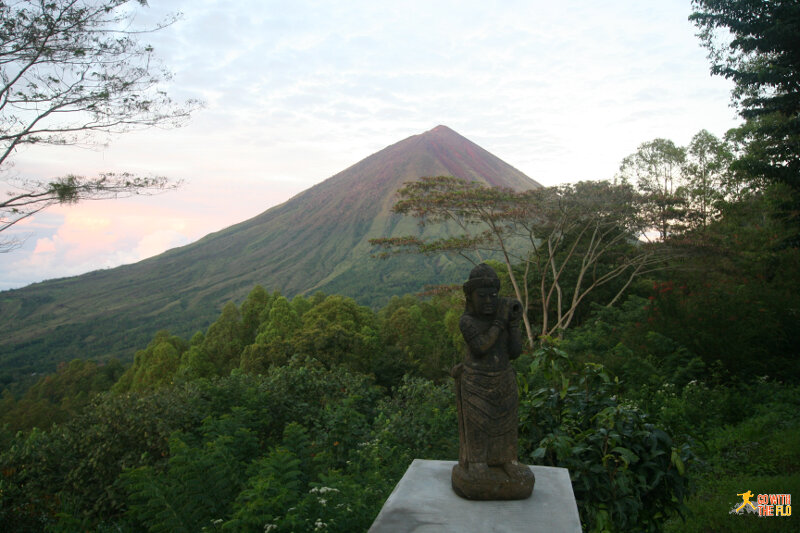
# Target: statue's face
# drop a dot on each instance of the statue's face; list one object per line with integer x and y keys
{"x": 484, "y": 301}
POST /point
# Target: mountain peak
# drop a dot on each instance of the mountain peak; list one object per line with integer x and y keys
{"x": 441, "y": 128}
{"x": 443, "y": 134}
{"x": 457, "y": 156}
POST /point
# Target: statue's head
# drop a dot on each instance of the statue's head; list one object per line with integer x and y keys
{"x": 481, "y": 290}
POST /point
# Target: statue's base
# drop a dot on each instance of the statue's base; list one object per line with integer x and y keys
{"x": 424, "y": 502}
{"x": 494, "y": 483}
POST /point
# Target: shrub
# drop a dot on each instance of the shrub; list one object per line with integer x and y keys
{"x": 627, "y": 474}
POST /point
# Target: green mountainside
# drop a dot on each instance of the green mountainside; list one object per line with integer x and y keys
{"x": 316, "y": 241}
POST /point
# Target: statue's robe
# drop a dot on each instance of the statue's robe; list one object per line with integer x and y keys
{"x": 487, "y": 393}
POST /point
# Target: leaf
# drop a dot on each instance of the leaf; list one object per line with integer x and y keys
{"x": 627, "y": 455}
{"x": 677, "y": 461}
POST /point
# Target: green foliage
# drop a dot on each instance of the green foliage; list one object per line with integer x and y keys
{"x": 189, "y": 451}
{"x": 709, "y": 180}
{"x": 710, "y": 509}
{"x": 271, "y": 345}
{"x": 656, "y": 169}
{"x": 27, "y": 500}
{"x": 76, "y": 380}
{"x": 272, "y": 489}
{"x": 559, "y": 244}
{"x": 303, "y": 415}
{"x": 254, "y": 308}
{"x": 728, "y": 307}
{"x": 301, "y": 304}
{"x": 195, "y": 363}
{"x": 57, "y": 397}
{"x": 74, "y": 467}
{"x": 763, "y": 437}
{"x": 283, "y": 321}
{"x": 417, "y": 340}
{"x": 417, "y": 421}
{"x": 280, "y": 496}
{"x": 757, "y": 449}
{"x": 624, "y": 341}
{"x": 734, "y": 298}
{"x": 302, "y": 391}
{"x": 627, "y": 474}
{"x": 200, "y": 479}
{"x": 224, "y": 340}
{"x": 755, "y": 45}
{"x": 278, "y": 487}
{"x": 154, "y": 366}
{"x": 338, "y": 331}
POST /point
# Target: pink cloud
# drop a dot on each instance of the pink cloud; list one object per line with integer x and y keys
{"x": 75, "y": 239}
{"x": 119, "y": 231}
{"x": 44, "y": 246}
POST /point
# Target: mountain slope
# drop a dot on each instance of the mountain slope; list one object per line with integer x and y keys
{"x": 318, "y": 240}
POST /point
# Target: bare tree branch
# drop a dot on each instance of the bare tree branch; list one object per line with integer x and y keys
{"x": 70, "y": 70}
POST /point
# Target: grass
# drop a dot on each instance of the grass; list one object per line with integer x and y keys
{"x": 709, "y": 508}
{"x": 760, "y": 454}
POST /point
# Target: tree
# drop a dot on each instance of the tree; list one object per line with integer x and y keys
{"x": 468, "y": 206}
{"x": 755, "y": 45}
{"x": 591, "y": 238}
{"x": 223, "y": 342}
{"x": 558, "y": 244}
{"x": 56, "y": 397}
{"x": 155, "y": 366}
{"x": 337, "y": 331}
{"x": 656, "y": 169}
{"x": 273, "y": 343}
{"x": 70, "y": 72}
{"x": 708, "y": 177}
{"x": 283, "y": 322}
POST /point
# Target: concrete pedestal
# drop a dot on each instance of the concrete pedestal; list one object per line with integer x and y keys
{"x": 424, "y": 502}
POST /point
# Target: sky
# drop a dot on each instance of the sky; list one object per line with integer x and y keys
{"x": 296, "y": 91}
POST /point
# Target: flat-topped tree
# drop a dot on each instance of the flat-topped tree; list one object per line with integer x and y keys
{"x": 71, "y": 73}
{"x": 558, "y": 244}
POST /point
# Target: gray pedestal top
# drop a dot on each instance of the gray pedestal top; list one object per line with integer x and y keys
{"x": 424, "y": 502}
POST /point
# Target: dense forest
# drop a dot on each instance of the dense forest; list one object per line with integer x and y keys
{"x": 660, "y": 367}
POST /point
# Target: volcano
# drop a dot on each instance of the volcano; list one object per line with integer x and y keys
{"x": 316, "y": 241}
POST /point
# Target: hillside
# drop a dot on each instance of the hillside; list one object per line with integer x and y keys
{"x": 318, "y": 240}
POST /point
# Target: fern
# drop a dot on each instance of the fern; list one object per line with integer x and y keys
{"x": 150, "y": 501}
{"x": 276, "y": 485}
{"x": 199, "y": 485}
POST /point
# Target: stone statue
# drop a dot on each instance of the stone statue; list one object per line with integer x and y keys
{"x": 486, "y": 394}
